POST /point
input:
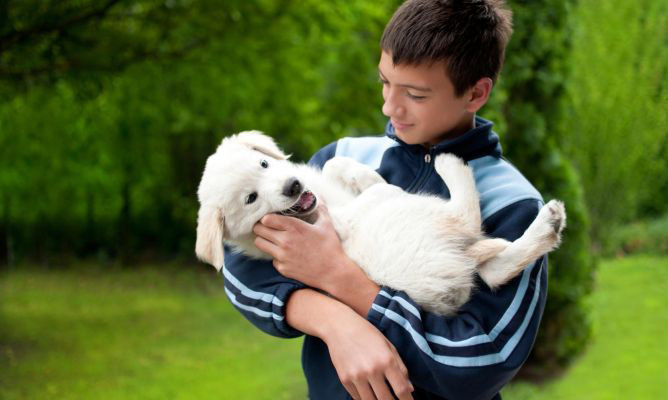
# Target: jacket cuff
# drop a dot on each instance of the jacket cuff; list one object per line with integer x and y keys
{"x": 284, "y": 292}
{"x": 381, "y": 303}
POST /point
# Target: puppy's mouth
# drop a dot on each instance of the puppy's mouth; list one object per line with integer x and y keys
{"x": 304, "y": 205}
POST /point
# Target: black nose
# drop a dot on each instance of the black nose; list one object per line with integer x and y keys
{"x": 292, "y": 187}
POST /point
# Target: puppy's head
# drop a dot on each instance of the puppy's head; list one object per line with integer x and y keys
{"x": 246, "y": 178}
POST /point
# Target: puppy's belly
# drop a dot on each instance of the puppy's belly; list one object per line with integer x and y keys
{"x": 401, "y": 242}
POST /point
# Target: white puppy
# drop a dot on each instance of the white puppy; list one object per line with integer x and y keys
{"x": 427, "y": 246}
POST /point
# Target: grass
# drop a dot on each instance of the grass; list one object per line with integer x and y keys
{"x": 628, "y": 356}
{"x": 162, "y": 332}
{"x": 151, "y": 333}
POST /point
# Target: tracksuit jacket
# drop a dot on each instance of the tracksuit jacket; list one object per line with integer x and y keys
{"x": 469, "y": 356}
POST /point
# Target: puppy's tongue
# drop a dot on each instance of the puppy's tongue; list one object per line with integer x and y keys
{"x": 306, "y": 200}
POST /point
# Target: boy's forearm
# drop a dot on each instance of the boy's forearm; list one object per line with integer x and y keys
{"x": 353, "y": 287}
{"x": 313, "y": 313}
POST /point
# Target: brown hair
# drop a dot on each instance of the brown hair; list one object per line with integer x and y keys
{"x": 470, "y": 36}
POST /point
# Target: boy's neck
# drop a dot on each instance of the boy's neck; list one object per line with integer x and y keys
{"x": 465, "y": 125}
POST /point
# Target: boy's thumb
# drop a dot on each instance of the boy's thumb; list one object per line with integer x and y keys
{"x": 323, "y": 214}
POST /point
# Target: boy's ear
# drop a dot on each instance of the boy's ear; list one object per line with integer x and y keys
{"x": 478, "y": 94}
{"x": 210, "y": 234}
{"x": 258, "y": 141}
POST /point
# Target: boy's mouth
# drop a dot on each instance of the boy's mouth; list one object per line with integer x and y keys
{"x": 400, "y": 126}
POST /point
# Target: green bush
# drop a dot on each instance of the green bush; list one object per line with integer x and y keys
{"x": 616, "y": 128}
{"x": 105, "y": 153}
{"x": 529, "y": 103}
{"x": 641, "y": 237}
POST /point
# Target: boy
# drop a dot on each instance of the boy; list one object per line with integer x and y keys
{"x": 439, "y": 61}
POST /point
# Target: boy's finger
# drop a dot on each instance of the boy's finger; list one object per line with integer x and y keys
{"x": 364, "y": 390}
{"x": 323, "y": 215}
{"x": 380, "y": 388}
{"x": 279, "y": 222}
{"x": 402, "y": 367}
{"x": 350, "y": 388}
{"x": 401, "y": 386}
{"x": 267, "y": 233}
{"x": 267, "y": 246}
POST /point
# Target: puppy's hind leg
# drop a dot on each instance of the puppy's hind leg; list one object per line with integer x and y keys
{"x": 464, "y": 199}
{"x": 542, "y": 236}
{"x": 351, "y": 174}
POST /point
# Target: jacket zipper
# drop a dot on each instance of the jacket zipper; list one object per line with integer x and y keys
{"x": 426, "y": 169}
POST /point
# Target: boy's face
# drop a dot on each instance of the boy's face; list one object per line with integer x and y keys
{"x": 421, "y": 103}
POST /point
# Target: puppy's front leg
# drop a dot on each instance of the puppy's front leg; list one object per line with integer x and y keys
{"x": 353, "y": 175}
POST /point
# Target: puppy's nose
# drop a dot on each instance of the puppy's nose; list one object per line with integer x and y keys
{"x": 292, "y": 187}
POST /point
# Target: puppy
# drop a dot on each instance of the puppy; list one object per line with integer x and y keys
{"x": 427, "y": 246}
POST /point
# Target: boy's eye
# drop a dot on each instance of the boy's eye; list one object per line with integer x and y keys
{"x": 251, "y": 198}
{"x": 414, "y": 97}
{"x": 264, "y": 164}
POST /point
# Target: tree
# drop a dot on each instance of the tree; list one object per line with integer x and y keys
{"x": 530, "y": 102}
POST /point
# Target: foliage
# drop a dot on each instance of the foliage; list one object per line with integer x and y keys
{"x": 616, "y": 130}
{"x": 528, "y": 102}
{"x": 640, "y": 237}
{"x": 107, "y": 160}
{"x": 623, "y": 360}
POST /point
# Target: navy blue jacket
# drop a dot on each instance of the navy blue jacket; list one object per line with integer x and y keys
{"x": 468, "y": 356}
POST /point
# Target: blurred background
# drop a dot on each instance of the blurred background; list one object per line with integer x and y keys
{"x": 108, "y": 110}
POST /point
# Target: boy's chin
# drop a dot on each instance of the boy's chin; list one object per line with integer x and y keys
{"x": 406, "y": 136}
{"x": 411, "y": 137}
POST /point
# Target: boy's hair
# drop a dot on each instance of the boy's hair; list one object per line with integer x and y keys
{"x": 470, "y": 36}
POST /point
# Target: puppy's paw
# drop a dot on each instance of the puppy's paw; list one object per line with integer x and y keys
{"x": 448, "y": 161}
{"x": 353, "y": 175}
{"x": 556, "y": 215}
{"x": 336, "y": 166}
{"x": 453, "y": 170}
{"x": 549, "y": 224}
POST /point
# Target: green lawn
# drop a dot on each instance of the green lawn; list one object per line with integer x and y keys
{"x": 628, "y": 357}
{"x": 169, "y": 333}
{"x": 142, "y": 334}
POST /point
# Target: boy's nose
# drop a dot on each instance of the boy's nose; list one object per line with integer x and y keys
{"x": 392, "y": 109}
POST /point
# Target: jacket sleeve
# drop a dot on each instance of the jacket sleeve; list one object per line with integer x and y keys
{"x": 257, "y": 290}
{"x": 473, "y": 354}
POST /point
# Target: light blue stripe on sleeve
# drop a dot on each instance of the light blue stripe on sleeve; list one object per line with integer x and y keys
{"x": 254, "y": 310}
{"x": 477, "y": 361}
{"x": 499, "y": 327}
{"x": 500, "y": 185}
{"x": 479, "y": 339}
{"x": 404, "y": 303}
{"x": 251, "y": 294}
{"x": 367, "y": 150}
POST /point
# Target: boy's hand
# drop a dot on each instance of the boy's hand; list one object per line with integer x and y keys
{"x": 313, "y": 255}
{"x": 306, "y": 252}
{"x": 366, "y": 362}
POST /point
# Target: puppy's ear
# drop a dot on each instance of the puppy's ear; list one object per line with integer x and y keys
{"x": 209, "y": 244}
{"x": 257, "y": 140}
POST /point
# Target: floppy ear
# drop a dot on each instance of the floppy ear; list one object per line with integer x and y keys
{"x": 262, "y": 143}
{"x": 209, "y": 244}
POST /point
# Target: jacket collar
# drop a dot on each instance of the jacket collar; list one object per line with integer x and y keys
{"x": 478, "y": 142}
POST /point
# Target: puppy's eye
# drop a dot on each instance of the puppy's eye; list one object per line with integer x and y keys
{"x": 251, "y": 198}
{"x": 264, "y": 164}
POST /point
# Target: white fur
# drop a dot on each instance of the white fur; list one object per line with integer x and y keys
{"x": 429, "y": 247}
